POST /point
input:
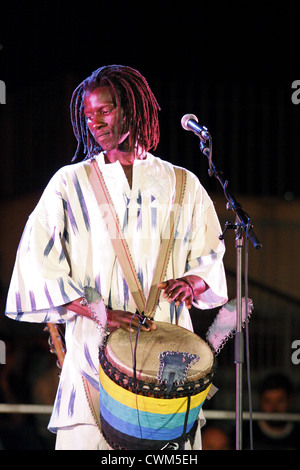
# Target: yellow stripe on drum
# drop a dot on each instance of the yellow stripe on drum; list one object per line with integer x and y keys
{"x": 150, "y": 404}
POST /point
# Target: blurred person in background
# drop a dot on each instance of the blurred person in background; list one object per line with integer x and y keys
{"x": 276, "y": 395}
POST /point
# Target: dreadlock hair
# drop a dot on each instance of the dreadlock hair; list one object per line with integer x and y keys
{"x": 131, "y": 93}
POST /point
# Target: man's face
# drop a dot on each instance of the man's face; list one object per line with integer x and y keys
{"x": 275, "y": 401}
{"x": 104, "y": 118}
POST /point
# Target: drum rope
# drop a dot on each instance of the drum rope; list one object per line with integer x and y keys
{"x": 142, "y": 320}
{"x": 186, "y": 415}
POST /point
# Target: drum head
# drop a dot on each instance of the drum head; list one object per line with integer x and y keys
{"x": 152, "y": 345}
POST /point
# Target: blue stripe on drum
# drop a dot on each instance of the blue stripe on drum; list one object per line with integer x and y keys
{"x": 142, "y": 424}
{"x": 141, "y": 432}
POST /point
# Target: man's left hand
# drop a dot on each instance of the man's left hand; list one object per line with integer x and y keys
{"x": 183, "y": 289}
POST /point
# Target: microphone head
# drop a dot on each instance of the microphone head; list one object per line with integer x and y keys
{"x": 185, "y": 119}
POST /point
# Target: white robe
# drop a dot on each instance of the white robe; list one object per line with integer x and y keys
{"x": 65, "y": 246}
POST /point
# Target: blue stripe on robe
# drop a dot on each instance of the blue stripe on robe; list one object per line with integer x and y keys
{"x": 68, "y": 209}
{"x": 82, "y": 202}
{"x": 48, "y": 295}
{"x": 62, "y": 290}
{"x": 50, "y": 244}
{"x": 72, "y": 402}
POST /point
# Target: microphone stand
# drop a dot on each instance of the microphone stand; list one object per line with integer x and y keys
{"x": 242, "y": 226}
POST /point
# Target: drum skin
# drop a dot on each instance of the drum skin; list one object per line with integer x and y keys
{"x": 167, "y": 337}
{"x": 140, "y": 410}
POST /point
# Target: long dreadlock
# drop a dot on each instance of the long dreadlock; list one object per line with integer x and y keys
{"x": 132, "y": 93}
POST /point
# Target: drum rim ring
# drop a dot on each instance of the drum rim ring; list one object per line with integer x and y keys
{"x": 151, "y": 388}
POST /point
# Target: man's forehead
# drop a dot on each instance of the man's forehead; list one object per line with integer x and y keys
{"x": 99, "y": 95}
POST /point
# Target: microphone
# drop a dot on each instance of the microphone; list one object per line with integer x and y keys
{"x": 189, "y": 122}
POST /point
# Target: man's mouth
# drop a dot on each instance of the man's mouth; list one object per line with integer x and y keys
{"x": 101, "y": 135}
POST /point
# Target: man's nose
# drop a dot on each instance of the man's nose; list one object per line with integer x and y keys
{"x": 98, "y": 122}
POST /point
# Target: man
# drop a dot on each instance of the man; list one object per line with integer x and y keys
{"x": 276, "y": 395}
{"x": 66, "y": 248}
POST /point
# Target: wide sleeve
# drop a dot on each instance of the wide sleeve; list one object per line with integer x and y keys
{"x": 206, "y": 252}
{"x": 41, "y": 282}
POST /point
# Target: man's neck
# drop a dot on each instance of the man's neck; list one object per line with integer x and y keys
{"x": 124, "y": 155}
{"x": 125, "y": 158}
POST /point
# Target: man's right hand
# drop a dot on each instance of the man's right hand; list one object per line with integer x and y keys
{"x": 115, "y": 318}
{"x": 127, "y": 321}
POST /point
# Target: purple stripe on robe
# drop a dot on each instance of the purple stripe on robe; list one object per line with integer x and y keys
{"x": 199, "y": 260}
{"x": 79, "y": 292}
{"x": 62, "y": 256}
{"x": 58, "y": 401}
{"x": 172, "y": 311}
{"x": 187, "y": 235}
{"x": 126, "y": 294}
{"x": 50, "y": 244}
{"x": 19, "y": 307}
{"x": 62, "y": 290}
{"x": 126, "y": 215}
{"x": 179, "y": 310}
{"x": 153, "y": 214}
{"x": 153, "y": 217}
{"x": 93, "y": 382}
{"x": 98, "y": 283}
{"x": 18, "y": 303}
{"x": 141, "y": 277}
{"x": 89, "y": 359}
{"x": 47, "y": 318}
{"x": 72, "y": 402}
{"x": 82, "y": 202}
{"x": 139, "y": 212}
{"x": 71, "y": 217}
{"x": 48, "y": 295}
{"x": 175, "y": 312}
{"x": 32, "y": 301}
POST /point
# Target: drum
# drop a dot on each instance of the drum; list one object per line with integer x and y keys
{"x": 152, "y": 386}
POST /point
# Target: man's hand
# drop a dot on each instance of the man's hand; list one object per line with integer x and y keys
{"x": 183, "y": 289}
{"x": 126, "y": 321}
{"x": 115, "y": 318}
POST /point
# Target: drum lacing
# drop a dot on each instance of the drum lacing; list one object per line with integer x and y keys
{"x": 142, "y": 321}
{"x": 151, "y": 388}
{"x": 178, "y": 444}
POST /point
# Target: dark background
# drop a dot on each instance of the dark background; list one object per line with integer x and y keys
{"x": 232, "y": 64}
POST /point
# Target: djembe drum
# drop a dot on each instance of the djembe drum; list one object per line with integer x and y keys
{"x": 152, "y": 386}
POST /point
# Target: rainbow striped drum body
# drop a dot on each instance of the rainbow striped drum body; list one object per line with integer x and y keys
{"x": 152, "y": 388}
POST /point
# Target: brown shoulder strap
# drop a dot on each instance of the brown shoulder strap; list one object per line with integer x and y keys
{"x": 167, "y": 242}
{"x": 93, "y": 398}
{"x": 120, "y": 244}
